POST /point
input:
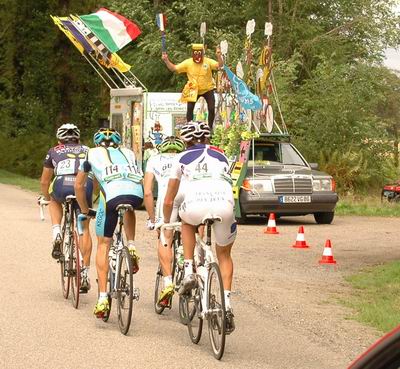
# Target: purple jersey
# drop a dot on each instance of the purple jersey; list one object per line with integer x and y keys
{"x": 65, "y": 158}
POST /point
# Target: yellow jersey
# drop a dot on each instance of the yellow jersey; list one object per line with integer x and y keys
{"x": 200, "y": 73}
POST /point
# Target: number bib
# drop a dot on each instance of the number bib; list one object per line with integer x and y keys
{"x": 65, "y": 167}
{"x": 121, "y": 171}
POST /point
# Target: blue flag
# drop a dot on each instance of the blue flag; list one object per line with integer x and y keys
{"x": 246, "y": 99}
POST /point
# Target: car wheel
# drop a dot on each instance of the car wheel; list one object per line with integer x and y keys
{"x": 324, "y": 218}
{"x": 242, "y": 219}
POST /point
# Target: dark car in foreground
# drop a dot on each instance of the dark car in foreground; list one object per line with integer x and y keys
{"x": 279, "y": 180}
{"x": 384, "y": 354}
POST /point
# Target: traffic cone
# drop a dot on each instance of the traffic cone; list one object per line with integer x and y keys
{"x": 300, "y": 240}
{"x": 271, "y": 226}
{"x": 327, "y": 255}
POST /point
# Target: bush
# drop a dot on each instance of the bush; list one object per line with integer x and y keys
{"x": 23, "y": 154}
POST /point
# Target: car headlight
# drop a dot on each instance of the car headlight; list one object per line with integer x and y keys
{"x": 259, "y": 185}
{"x": 323, "y": 184}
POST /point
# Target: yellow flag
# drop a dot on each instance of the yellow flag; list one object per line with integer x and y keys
{"x": 71, "y": 37}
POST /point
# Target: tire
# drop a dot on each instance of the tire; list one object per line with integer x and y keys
{"x": 324, "y": 218}
{"x": 75, "y": 271}
{"x": 64, "y": 266}
{"x": 124, "y": 291}
{"x": 242, "y": 219}
{"x": 157, "y": 290}
{"x": 193, "y": 315}
{"x": 182, "y": 311}
{"x": 110, "y": 283}
{"x": 216, "y": 304}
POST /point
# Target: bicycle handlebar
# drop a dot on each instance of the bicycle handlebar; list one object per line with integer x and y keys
{"x": 174, "y": 226}
{"x": 81, "y": 218}
{"x": 42, "y": 203}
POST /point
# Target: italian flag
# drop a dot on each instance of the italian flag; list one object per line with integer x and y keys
{"x": 112, "y": 29}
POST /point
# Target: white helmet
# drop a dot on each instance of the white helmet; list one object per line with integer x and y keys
{"x": 195, "y": 130}
{"x": 68, "y": 131}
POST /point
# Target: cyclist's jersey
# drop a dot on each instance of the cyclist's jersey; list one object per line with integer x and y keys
{"x": 65, "y": 159}
{"x": 160, "y": 165}
{"x": 204, "y": 171}
{"x": 116, "y": 171}
{"x": 201, "y": 162}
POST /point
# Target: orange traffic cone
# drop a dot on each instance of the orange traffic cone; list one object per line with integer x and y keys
{"x": 300, "y": 240}
{"x": 271, "y": 226}
{"x": 327, "y": 255}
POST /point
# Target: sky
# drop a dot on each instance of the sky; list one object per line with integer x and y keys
{"x": 392, "y": 60}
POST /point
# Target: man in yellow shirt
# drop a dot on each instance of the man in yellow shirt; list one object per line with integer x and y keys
{"x": 199, "y": 73}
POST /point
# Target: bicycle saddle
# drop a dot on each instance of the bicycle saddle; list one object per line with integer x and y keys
{"x": 127, "y": 207}
{"x": 70, "y": 197}
{"x": 210, "y": 218}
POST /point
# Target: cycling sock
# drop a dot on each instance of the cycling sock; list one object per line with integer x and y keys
{"x": 188, "y": 264}
{"x": 131, "y": 245}
{"x": 56, "y": 231}
{"x": 167, "y": 280}
{"x": 103, "y": 296}
{"x": 227, "y": 295}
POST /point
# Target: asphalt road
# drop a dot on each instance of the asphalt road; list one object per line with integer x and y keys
{"x": 285, "y": 304}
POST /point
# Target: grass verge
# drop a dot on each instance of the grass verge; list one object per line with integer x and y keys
{"x": 367, "y": 206}
{"x": 20, "y": 181}
{"x": 376, "y": 296}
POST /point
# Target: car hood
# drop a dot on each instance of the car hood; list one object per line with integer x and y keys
{"x": 273, "y": 170}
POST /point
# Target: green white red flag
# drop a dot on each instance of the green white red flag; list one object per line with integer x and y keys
{"x": 114, "y": 30}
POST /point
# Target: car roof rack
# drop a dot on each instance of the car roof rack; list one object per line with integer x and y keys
{"x": 274, "y": 136}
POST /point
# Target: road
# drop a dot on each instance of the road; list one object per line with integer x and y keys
{"x": 287, "y": 315}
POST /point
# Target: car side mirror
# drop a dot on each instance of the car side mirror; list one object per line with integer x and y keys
{"x": 314, "y": 166}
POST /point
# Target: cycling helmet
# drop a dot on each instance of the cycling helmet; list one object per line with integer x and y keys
{"x": 107, "y": 137}
{"x": 171, "y": 143}
{"x": 67, "y": 132}
{"x": 195, "y": 130}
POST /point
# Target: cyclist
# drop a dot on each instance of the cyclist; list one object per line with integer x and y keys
{"x": 203, "y": 169}
{"x": 63, "y": 162}
{"x": 198, "y": 69}
{"x": 159, "y": 168}
{"x": 119, "y": 179}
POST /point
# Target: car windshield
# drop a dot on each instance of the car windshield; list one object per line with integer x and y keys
{"x": 275, "y": 153}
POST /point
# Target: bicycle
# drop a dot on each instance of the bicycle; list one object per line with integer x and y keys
{"x": 177, "y": 269}
{"x": 70, "y": 259}
{"x": 207, "y": 300}
{"x": 120, "y": 283}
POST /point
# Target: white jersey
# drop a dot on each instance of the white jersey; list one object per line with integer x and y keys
{"x": 160, "y": 166}
{"x": 201, "y": 162}
{"x": 204, "y": 171}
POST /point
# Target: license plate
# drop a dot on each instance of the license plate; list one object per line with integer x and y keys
{"x": 294, "y": 199}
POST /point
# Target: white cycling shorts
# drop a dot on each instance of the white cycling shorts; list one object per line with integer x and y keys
{"x": 213, "y": 198}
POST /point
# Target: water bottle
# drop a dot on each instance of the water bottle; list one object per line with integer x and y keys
{"x": 112, "y": 257}
{"x": 179, "y": 256}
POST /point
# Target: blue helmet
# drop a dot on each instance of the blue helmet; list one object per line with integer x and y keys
{"x": 107, "y": 137}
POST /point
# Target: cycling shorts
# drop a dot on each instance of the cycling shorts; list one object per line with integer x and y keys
{"x": 107, "y": 215}
{"x": 63, "y": 186}
{"x": 207, "y": 198}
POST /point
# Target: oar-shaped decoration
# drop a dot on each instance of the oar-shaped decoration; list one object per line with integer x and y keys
{"x": 203, "y": 30}
{"x": 161, "y": 21}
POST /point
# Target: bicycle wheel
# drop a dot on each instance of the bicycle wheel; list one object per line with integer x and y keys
{"x": 182, "y": 311}
{"x": 193, "y": 314}
{"x": 64, "y": 263}
{"x": 216, "y": 308}
{"x": 157, "y": 290}
{"x": 75, "y": 271}
{"x": 124, "y": 290}
{"x": 110, "y": 284}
